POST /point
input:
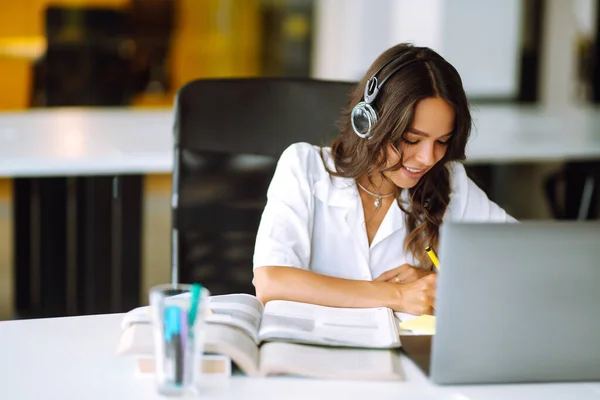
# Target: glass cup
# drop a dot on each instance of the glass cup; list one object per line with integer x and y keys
{"x": 178, "y": 327}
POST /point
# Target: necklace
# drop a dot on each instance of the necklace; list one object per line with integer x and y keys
{"x": 378, "y": 197}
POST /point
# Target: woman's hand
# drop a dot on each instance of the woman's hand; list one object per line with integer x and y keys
{"x": 295, "y": 284}
{"x": 403, "y": 274}
{"x": 417, "y": 297}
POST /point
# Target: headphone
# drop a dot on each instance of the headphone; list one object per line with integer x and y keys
{"x": 363, "y": 115}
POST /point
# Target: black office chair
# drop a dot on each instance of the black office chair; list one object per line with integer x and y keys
{"x": 228, "y": 136}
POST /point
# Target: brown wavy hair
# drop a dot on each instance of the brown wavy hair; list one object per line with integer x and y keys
{"x": 395, "y": 105}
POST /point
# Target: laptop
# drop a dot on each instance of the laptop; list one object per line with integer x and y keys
{"x": 515, "y": 303}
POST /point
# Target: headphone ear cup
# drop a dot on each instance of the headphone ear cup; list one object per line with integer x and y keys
{"x": 363, "y": 118}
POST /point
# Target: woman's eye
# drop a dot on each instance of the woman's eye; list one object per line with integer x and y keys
{"x": 405, "y": 140}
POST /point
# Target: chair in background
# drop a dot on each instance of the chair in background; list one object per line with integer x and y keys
{"x": 572, "y": 192}
{"x": 229, "y": 135}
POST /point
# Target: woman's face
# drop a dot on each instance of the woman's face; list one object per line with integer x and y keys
{"x": 423, "y": 144}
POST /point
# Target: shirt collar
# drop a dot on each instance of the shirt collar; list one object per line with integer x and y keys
{"x": 336, "y": 191}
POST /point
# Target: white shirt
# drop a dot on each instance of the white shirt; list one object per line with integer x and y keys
{"x": 316, "y": 222}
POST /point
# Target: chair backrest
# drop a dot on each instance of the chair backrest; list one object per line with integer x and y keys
{"x": 228, "y": 136}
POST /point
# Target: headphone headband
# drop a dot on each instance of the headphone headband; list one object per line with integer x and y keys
{"x": 373, "y": 86}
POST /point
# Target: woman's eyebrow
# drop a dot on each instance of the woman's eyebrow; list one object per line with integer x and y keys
{"x": 425, "y": 134}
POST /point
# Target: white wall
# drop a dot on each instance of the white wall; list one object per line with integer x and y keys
{"x": 566, "y": 24}
{"x": 479, "y": 37}
{"x": 482, "y": 40}
{"x": 349, "y": 36}
{"x": 418, "y": 22}
{"x": 557, "y": 80}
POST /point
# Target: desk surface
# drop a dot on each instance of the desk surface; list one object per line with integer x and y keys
{"x": 64, "y": 142}
{"x": 59, "y": 142}
{"x": 75, "y": 358}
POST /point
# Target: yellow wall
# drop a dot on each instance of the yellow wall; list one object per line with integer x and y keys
{"x": 18, "y": 20}
{"x": 22, "y": 26}
{"x": 215, "y": 38}
{"x": 15, "y": 81}
{"x": 212, "y": 38}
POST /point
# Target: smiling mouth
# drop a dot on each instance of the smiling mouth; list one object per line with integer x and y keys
{"x": 413, "y": 170}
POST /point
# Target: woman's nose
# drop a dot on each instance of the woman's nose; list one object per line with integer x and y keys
{"x": 426, "y": 155}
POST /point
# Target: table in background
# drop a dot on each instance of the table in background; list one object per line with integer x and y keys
{"x": 78, "y": 189}
{"x": 75, "y": 358}
{"x": 77, "y": 196}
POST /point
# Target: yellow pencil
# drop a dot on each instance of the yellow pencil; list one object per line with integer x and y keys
{"x": 433, "y": 256}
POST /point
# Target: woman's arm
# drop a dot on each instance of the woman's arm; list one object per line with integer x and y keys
{"x": 294, "y": 284}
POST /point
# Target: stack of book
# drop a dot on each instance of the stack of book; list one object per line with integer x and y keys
{"x": 282, "y": 338}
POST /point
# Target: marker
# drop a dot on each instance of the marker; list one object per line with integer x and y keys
{"x": 195, "y": 290}
{"x": 173, "y": 349}
{"x": 433, "y": 256}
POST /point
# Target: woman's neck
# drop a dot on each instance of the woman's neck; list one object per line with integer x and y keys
{"x": 378, "y": 184}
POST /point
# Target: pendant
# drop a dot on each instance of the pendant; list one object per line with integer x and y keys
{"x": 377, "y": 202}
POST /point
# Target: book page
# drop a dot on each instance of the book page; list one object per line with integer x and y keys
{"x": 210, "y": 365}
{"x": 136, "y": 339}
{"x": 308, "y": 323}
{"x": 228, "y": 340}
{"x": 403, "y": 317}
{"x": 277, "y": 358}
{"x": 240, "y": 310}
{"x": 235, "y": 343}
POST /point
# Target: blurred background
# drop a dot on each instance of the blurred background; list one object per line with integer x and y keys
{"x": 135, "y": 54}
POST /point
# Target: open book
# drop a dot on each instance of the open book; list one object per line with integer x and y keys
{"x": 289, "y": 338}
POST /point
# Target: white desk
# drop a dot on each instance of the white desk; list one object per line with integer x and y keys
{"x": 75, "y": 358}
{"x": 509, "y": 133}
{"x": 64, "y": 142}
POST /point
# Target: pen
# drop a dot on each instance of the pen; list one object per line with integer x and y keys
{"x": 433, "y": 256}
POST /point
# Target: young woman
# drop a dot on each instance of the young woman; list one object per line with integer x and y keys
{"x": 347, "y": 225}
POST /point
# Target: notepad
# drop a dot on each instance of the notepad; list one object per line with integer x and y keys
{"x": 425, "y": 325}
